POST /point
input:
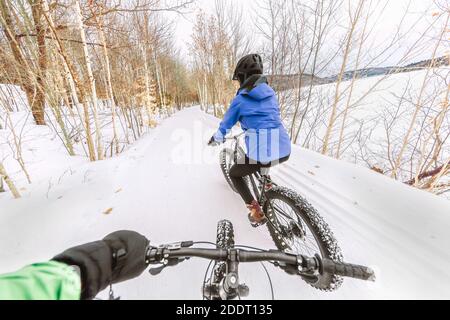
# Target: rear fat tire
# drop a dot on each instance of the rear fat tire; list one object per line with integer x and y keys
{"x": 225, "y": 155}
{"x": 325, "y": 238}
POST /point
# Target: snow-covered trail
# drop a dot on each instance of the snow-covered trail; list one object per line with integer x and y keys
{"x": 169, "y": 187}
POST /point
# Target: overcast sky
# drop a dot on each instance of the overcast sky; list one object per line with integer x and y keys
{"x": 387, "y": 25}
{"x": 186, "y": 23}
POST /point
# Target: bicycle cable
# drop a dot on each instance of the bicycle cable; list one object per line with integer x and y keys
{"x": 204, "y": 279}
{"x": 248, "y": 247}
{"x": 212, "y": 274}
{"x": 205, "y": 242}
{"x": 265, "y": 269}
{"x": 270, "y": 280}
{"x": 253, "y": 248}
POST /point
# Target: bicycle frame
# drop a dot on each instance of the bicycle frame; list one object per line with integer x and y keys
{"x": 263, "y": 180}
{"x": 265, "y": 183}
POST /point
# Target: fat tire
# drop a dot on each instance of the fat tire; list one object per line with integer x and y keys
{"x": 325, "y": 238}
{"x": 226, "y": 154}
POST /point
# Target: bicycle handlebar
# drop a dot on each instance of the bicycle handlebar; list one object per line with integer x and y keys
{"x": 235, "y": 136}
{"x": 157, "y": 255}
{"x": 166, "y": 255}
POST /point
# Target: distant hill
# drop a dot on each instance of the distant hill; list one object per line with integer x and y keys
{"x": 290, "y": 81}
{"x": 438, "y": 62}
{"x": 372, "y": 72}
{"x": 361, "y": 73}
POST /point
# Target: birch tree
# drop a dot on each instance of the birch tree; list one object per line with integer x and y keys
{"x": 419, "y": 100}
{"x": 74, "y": 82}
{"x": 4, "y": 176}
{"x": 30, "y": 80}
{"x": 353, "y": 21}
{"x": 91, "y": 79}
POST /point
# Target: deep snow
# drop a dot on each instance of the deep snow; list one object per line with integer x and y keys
{"x": 380, "y": 113}
{"x": 169, "y": 187}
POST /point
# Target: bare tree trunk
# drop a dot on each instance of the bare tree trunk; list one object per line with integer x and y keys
{"x": 423, "y": 165}
{"x": 74, "y": 81}
{"x": 62, "y": 85}
{"x": 9, "y": 182}
{"x": 205, "y": 93}
{"x": 108, "y": 83}
{"x": 318, "y": 23}
{"x": 331, "y": 122}
{"x": 435, "y": 179}
{"x": 87, "y": 58}
{"x": 38, "y": 109}
{"x": 352, "y": 85}
{"x": 418, "y": 104}
{"x": 17, "y": 148}
{"x": 27, "y": 79}
{"x": 147, "y": 86}
{"x": 158, "y": 81}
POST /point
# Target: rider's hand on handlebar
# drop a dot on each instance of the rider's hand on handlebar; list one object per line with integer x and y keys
{"x": 118, "y": 257}
{"x": 212, "y": 142}
{"x": 129, "y": 248}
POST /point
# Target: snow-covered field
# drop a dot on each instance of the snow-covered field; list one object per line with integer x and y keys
{"x": 169, "y": 187}
{"x": 380, "y": 113}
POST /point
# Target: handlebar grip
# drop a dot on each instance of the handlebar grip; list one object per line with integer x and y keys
{"x": 348, "y": 270}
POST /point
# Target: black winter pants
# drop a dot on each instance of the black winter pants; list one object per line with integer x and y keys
{"x": 246, "y": 167}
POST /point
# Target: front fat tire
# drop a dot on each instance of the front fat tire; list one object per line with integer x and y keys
{"x": 322, "y": 233}
{"x": 225, "y": 155}
{"x": 225, "y": 241}
{"x": 225, "y": 235}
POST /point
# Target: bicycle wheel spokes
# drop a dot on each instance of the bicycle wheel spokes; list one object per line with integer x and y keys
{"x": 296, "y": 226}
{"x": 293, "y": 231}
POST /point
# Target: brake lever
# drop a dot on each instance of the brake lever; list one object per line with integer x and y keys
{"x": 163, "y": 260}
{"x": 167, "y": 263}
{"x": 178, "y": 245}
{"x": 156, "y": 271}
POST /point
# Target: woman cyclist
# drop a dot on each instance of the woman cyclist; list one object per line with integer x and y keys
{"x": 267, "y": 142}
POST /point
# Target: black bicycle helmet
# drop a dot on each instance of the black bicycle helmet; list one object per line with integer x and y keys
{"x": 247, "y": 66}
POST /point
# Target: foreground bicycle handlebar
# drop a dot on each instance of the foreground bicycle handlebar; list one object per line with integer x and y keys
{"x": 172, "y": 254}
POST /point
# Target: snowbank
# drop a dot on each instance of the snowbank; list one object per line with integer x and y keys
{"x": 381, "y": 110}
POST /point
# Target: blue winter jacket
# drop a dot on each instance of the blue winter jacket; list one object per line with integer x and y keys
{"x": 258, "y": 112}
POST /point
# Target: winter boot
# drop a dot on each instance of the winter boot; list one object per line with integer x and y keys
{"x": 256, "y": 216}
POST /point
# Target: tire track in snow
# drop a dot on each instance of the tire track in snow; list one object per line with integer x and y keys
{"x": 331, "y": 203}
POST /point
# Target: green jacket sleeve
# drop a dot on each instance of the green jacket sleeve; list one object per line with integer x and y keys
{"x": 41, "y": 281}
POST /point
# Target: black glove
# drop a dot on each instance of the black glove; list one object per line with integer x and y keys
{"x": 212, "y": 142}
{"x": 118, "y": 257}
{"x": 130, "y": 248}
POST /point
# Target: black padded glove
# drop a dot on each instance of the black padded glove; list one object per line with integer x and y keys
{"x": 130, "y": 249}
{"x": 118, "y": 257}
{"x": 212, "y": 142}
